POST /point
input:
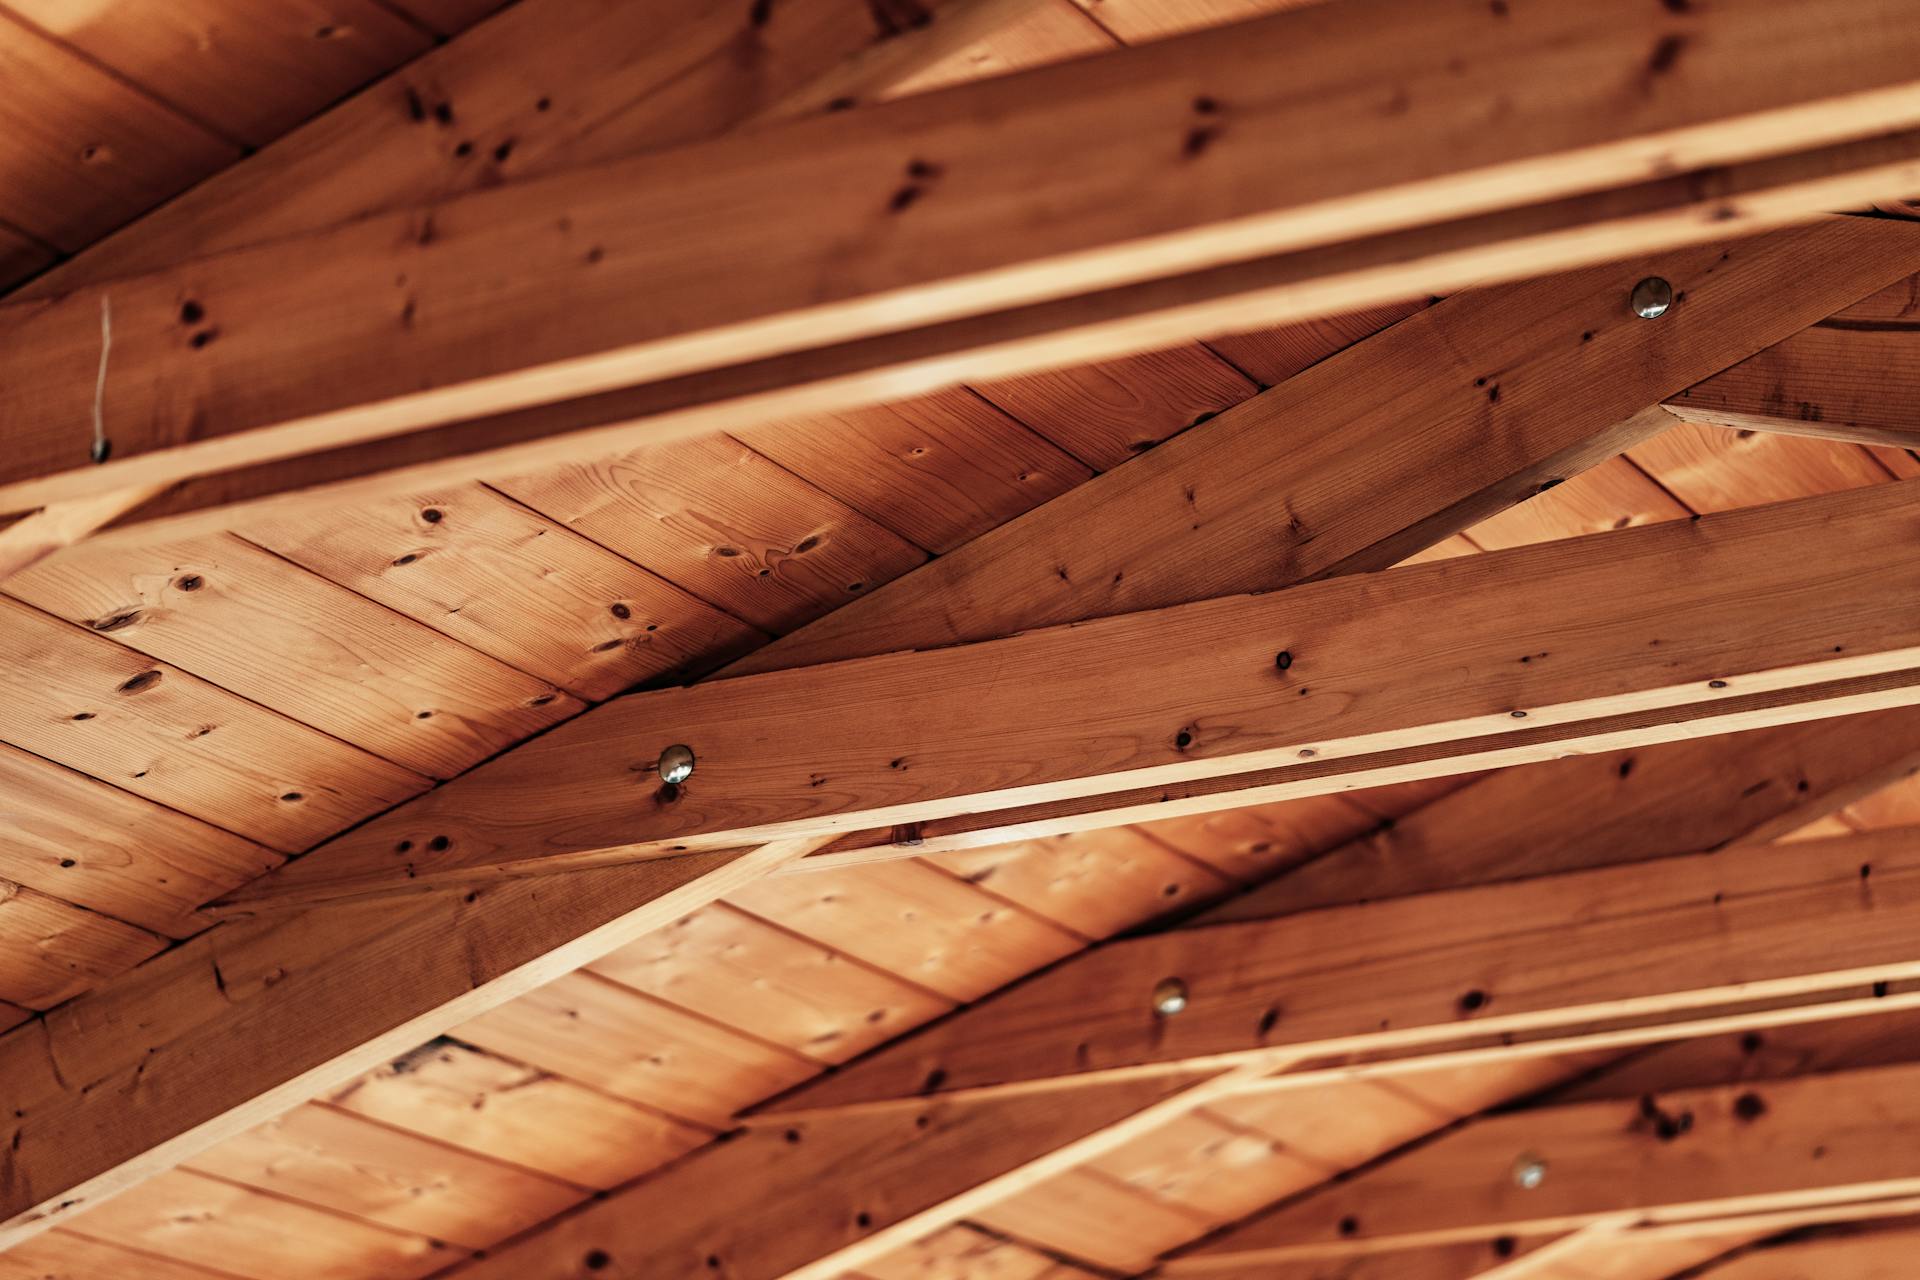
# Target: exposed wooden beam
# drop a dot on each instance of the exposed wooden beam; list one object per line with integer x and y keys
{"x": 1854, "y": 376}
{"x": 1867, "y": 1254}
{"x": 1775, "y": 602}
{"x": 309, "y": 343}
{"x": 1690, "y": 1153}
{"x": 366, "y": 1021}
{"x": 1766, "y": 926}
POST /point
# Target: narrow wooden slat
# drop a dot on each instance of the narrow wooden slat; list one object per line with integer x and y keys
{"x": 607, "y": 1036}
{"x": 731, "y": 968}
{"x": 1087, "y": 1216}
{"x": 722, "y": 521}
{"x": 251, "y": 71}
{"x": 939, "y": 470}
{"x": 498, "y": 577}
{"x": 158, "y": 732}
{"x": 294, "y": 642}
{"x": 1214, "y": 1169}
{"x": 340, "y": 1161}
{"x": 207, "y": 1222}
{"x": 51, "y": 950}
{"x": 926, "y": 735}
{"x": 108, "y": 850}
{"x": 1618, "y": 941}
{"x": 1306, "y": 480}
{"x": 520, "y": 1114}
{"x": 590, "y": 303}
{"x": 83, "y": 151}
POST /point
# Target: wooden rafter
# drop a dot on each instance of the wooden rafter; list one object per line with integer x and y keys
{"x": 1218, "y": 175}
{"x": 1790, "y": 604}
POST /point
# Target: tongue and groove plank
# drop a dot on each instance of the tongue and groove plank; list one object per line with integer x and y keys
{"x": 1771, "y": 600}
{"x": 1684, "y": 1152}
{"x": 610, "y": 294}
{"x": 294, "y": 642}
{"x": 99, "y": 708}
{"x": 1473, "y": 404}
{"x": 1748, "y": 923}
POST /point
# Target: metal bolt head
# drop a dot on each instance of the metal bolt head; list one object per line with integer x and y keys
{"x": 1169, "y": 997}
{"x": 1529, "y": 1171}
{"x": 676, "y": 764}
{"x": 1651, "y": 298}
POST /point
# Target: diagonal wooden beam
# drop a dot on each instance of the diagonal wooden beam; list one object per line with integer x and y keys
{"x": 1678, "y": 1155}
{"x": 1782, "y": 603}
{"x": 303, "y": 1001}
{"x": 593, "y": 272}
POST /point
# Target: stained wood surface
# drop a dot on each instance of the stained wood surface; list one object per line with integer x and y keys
{"x": 604, "y": 338}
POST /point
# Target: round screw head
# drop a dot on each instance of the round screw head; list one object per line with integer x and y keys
{"x": 1529, "y": 1171}
{"x": 1169, "y": 997}
{"x": 676, "y": 764}
{"x": 1651, "y": 298}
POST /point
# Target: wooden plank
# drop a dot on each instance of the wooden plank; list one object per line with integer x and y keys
{"x": 204, "y": 1221}
{"x": 51, "y": 950}
{"x": 1867, "y": 1255}
{"x": 83, "y": 150}
{"x": 298, "y": 644}
{"x": 92, "y": 705}
{"x": 340, "y": 1161}
{"x": 509, "y": 1111}
{"x": 609, "y": 301}
{"x": 938, "y": 470}
{"x": 1096, "y": 883}
{"x": 959, "y": 1253}
{"x": 1612, "y": 495}
{"x": 610, "y": 1037}
{"x": 1692, "y": 794}
{"x": 1084, "y": 1215}
{"x": 502, "y": 579}
{"x": 924, "y": 735}
{"x": 1045, "y": 33}
{"x": 731, "y": 968}
{"x": 1437, "y": 966}
{"x": 20, "y": 256}
{"x": 448, "y": 17}
{"x": 1686, "y": 1153}
{"x": 62, "y": 1254}
{"x": 1360, "y": 484}
{"x": 727, "y": 524}
{"x": 1715, "y": 469}
{"x": 933, "y": 929}
{"x": 250, "y": 71}
{"x": 108, "y": 850}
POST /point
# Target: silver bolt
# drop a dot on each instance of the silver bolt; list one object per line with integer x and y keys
{"x": 676, "y": 764}
{"x": 1169, "y": 997}
{"x": 1529, "y": 1171}
{"x": 1651, "y": 298}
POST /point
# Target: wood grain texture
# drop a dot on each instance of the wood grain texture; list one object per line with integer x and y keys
{"x": 296, "y": 643}
{"x": 725, "y": 523}
{"x": 1434, "y": 966}
{"x": 20, "y": 256}
{"x": 509, "y": 1111}
{"x": 1084, "y": 1215}
{"x": 110, "y": 851}
{"x": 65, "y": 1256}
{"x": 1307, "y": 480}
{"x": 976, "y": 728}
{"x": 499, "y": 578}
{"x": 83, "y": 151}
{"x": 340, "y": 1161}
{"x": 51, "y": 950}
{"x": 187, "y": 1217}
{"x": 95, "y": 706}
{"x": 589, "y": 303}
{"x": 250, "y": 71}
{"x": 1096, "y": 883}
{"x": 617, "y": 1040}
{"x": 734, "y": 969}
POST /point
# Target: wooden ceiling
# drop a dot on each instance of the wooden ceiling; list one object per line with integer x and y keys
{"x": 206, "y": 694}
